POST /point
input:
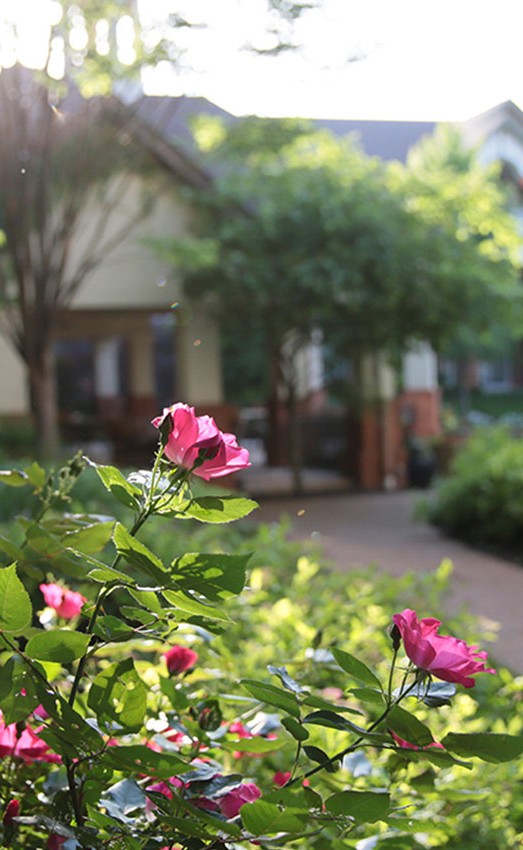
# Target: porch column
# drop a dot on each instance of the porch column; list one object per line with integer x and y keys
{"x": 14, "y": 396}
{"x": 142, "y": 391}
{"x": 421, "y": 397}
{"x": 199, "y": 358}
{"x": 107, "y": 377}
{"x": 380, "y": 463}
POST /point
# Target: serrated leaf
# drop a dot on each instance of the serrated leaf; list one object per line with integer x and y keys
{"x": 189, "y": 605}
{"x": 356, "y": 668}
{"x": 90, "y": 539}
{"x": 362, "y": 806}
{"x": 109, "y": 628}
{"x": 18, "y": 696}
{"x": 16, "y": 611}
{"x": 488, "y": 746}
{"x": 10, "y": 549}
{"x": 262, "y": 818}
{"x": 138, "y": 555}
{"x": 408, "y": 727}
{"x": 272, "y": 696}
{"x": 126, "y": 493}
{"x": 215, "y": 577}
{"x": 118, "y": 696}
{"x": 36, "y": 474}
{"x": 60, "y": 645}
{"x": 436, "y": 694}
{"x": 122, "y": 799}
{"x": 139, "y": 759}
{"x": 216, "y": 509}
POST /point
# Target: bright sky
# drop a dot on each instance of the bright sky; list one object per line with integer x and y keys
{"x": 421, "y": 59}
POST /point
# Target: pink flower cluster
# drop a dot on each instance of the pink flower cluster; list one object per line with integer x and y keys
{"x": 196, "y": 443}
{"x": 66, "y": 603}
{"x": 228, "y": 805}
{"x": 24, "y": 744}
{"x": 443, "y": 656}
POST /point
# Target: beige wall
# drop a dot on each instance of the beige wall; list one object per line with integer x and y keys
{"x": 131, "y": 276}
{"x": 13, "y": 395}
{"x": 131, "y": 283}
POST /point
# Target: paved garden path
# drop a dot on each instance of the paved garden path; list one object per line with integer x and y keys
{"x": 358, "y": 529}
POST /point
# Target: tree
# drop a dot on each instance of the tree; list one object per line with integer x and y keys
{"x": 473, "y": 249}
{"x": 54, "y": 162}
{"x": 62, "y": 177}
{"x": 302, "y": 230}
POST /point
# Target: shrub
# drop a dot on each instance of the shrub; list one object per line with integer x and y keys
{"x": 482, "y": 499}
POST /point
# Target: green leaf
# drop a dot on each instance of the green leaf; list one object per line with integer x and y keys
{"x": 118, "y": 695}
{"x": 321, "y": 757}
{"x": 256, "y": 745}
{"x": 363, "y": 806}
{"x": 189, "y": 605}
{"x": 10, "y": 549}
{"x": 16, "y": 611}
{"x": 332, "y": 720}
{"x": 126, "y": 493}
{"x": 216, "y": 508}
{"x": 69, "y": 735}
{"x": 271, "y": 695}
{"x": 408, "y": 727}
{"x": 14, "y": 478}
{"x": 298, "y": 732}
{"x": 149, "y": 600}
{"x": 318, "y": 702}
{"x": 262, "y": 818}
{"x": 90, "y": 539}
{"x": 138, "y": 758}
{"x": 356, "y": 668}
{"x": 123, "y": 798}
{"x": 137, "y": 555}
{"x": 36, "y": 474}
{"x": 18, "y": 696}
{"x": 287, "y": 681}
{"x": 215, "y": 577}
{"x": 109, "y": 628}
{"x": 369, "y": 696}
{"x": 61, "y": 645}
{"x": 488, "y": 746}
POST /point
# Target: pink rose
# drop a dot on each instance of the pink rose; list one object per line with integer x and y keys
{"x": 12, "y": 810}
{"x": 25, "y": 745}
{"x": 66, "y": 603}
{"x": 445, "y": 657}
{"x": 231, "y": 803}
{"x": 281, "y": 777}
{"x": 192, "y": 437}
{"x": 179, "y": 659}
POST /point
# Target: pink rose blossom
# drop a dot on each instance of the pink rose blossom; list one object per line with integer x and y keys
{"x": 66, "y": 603}
{"x": 281, "y": 777}
{"x": 179, "y": 659}
{"x": 12, "y": 810}
{"x": 191, "y": 435}
{"x": 25, "y": 745}
{"x": 445, "y": 657}
{"x": 231, "y": 803}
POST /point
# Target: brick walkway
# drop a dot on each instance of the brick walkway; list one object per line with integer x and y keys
{"x": 358, "y": 529}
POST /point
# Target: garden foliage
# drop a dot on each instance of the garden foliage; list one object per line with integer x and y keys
{"x": 147, "y": 703}
{"x": 482, "y": 499}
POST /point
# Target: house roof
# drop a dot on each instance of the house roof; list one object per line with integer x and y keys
{"x": 386, "y": 139}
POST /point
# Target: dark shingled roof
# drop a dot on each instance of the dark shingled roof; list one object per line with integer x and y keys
{"x": 386, "y": 139}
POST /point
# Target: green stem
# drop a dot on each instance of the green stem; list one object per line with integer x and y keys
{"x": 356, "y": 743}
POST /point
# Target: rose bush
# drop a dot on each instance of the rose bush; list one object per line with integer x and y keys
{"x": 140, "y": 758}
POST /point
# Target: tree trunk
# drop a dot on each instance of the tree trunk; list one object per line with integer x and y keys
{"x": 275, "y": 449}
{"x": 44, "y": 402}
{"x": 295, "y": 442}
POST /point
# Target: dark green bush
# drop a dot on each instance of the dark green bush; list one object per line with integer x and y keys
{"x": 482, "y": 499}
